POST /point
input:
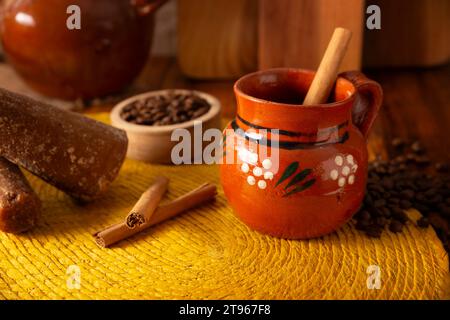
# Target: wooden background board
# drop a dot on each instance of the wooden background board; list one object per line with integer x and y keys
{"x": 217, "y": 39}
{"x": 413, "y": 33}
{"x": 295, "y": 33}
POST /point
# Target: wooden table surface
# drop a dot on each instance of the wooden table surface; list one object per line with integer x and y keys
{"x": 416, "y": 106}
{"x": 416, "y": 102}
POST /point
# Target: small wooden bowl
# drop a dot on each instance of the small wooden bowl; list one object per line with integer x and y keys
{"x": 153, "y": 143}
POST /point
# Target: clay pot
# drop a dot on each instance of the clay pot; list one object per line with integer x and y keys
{"x": 308, "y": 178}
{"x": 101, "y": 58}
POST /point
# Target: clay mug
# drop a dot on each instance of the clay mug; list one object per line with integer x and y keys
{"x": 101, "y": 58}
{"x": 298, "y": 171}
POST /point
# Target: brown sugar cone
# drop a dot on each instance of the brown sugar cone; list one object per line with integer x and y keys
{"x": 78, "y": 155}
{"x": 19, "y": 204}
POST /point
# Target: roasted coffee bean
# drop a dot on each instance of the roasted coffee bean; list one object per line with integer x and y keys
{"x": 377, "y": 188}
{"x": 403, "y": 183}
{"x": 421, "y": 208}
{"x": 402, "y": 217}
{"x": 362, "y": 224}
{"x": 444, "y": 210}
{"x": 364, "y": 215}
{"x": 387, "y": 183}
{"x": 400, "y": 159}
{"x": 407, "y": 194}
{"x": 386, "y": 212}
{"x": 405, "y": 204}
{"x": 423, "y": 222}
{"x": 381, "y": 221}
{"x": 437, "y": 199}
{"x": 379, "y": 203}
{"x": 438, "y": 222}
{"x": 397, "y": 211}
{"x": 420, "y": 197}
{"x": 430, "y": 193}
{"x": 396, "y": 226}
{"x": 417, "y": 147}
{"x": 368, "y": 200}
{"x": 410, "y": 157}
{"x": 165, "y": 109}
{"x": 373, "y": 231}
{"x": 423, "y": 161}
{"x": 398, "y": 143}
{"x": 442, "y": 167}
{"x": 393, "y": 201}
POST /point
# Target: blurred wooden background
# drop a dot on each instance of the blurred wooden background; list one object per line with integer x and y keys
{"x": 224, "y": 39}
{"x": 227, "y": 38}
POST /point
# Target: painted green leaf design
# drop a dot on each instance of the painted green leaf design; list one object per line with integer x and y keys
{"x": 298, "y": 178}
{"x": 290, "y": 170}
{"x": 301, "y": 188}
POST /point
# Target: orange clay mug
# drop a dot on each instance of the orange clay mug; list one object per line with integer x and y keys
{"x": 320, "y": 176}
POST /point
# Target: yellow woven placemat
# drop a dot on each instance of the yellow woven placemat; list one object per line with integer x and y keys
{"x": 205, "y": 254}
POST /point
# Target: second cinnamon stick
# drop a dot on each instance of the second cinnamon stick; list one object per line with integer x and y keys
{"x": 147, "y": 203}
{"x": 121, "y": 231}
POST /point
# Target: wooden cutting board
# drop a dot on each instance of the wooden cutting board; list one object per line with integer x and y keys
{"x": 217, "y": 39}
{"x": 413, "y": 33}
{"x": 295, "y": 33}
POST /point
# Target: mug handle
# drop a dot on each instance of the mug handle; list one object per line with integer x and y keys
{"x": 146, "y": 7}
{"x": 368, "y": 100}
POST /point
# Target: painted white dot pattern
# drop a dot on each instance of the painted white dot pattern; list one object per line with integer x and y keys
{"x": 334, "y": 174}
{"x": 351, "y": 179}
{"x": 253, "y": 159}
{"x": 267, "y": 164}
{"x": 262, "y": 184}
{"x": 244, "y": 155}
{"x": 257, "y": 171}
{"x": 350, "y": 159}
{"x": 344, "y": 172}
{"x": 268, "y": 175}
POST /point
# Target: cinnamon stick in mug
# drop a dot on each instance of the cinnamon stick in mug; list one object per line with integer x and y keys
{"x": 328, "y": 69}
{"x": 121, "y": 231}
{"x": 147, "y": 203}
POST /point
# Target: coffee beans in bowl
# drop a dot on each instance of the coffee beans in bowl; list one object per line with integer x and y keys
{"x": 157, "y": 121}
{"x": 166, "y": 109}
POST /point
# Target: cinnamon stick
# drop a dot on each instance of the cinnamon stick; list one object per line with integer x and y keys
{"x": 328, "y": 69}
{"x": 121, "y": 231}
{"x": 147, "y": 203}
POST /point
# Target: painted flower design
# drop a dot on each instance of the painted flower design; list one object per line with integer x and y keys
{"x": 299, "y": 179}
{"x": 257, "y": 172}
{"x": 344, "y": 170}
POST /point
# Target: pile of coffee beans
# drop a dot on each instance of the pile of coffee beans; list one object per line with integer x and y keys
{"x": 171, "y": 108}
{"x": 410, "y": 180}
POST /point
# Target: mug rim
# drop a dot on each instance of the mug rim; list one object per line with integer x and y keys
{"x": 241, "y": 93}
